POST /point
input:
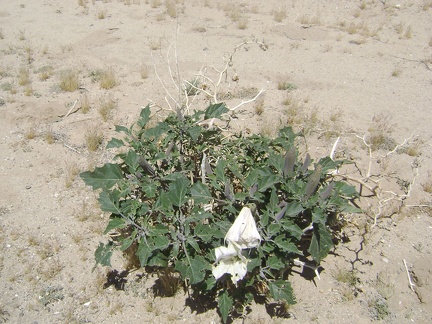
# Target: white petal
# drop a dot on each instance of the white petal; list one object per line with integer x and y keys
{"x": 236, "y": 267}
{"x": 223, "y": 252}
{"x": 244, "y": 231}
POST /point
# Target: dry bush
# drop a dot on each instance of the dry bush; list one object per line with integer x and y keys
{"x": 280, "y": 15}
{"x": 171, "y": 8}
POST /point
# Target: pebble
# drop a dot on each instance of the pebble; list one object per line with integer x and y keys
{"x": 28, "y": 187}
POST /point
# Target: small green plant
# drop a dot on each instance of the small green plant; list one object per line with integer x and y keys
{"x": 69, "y": 80}
{"x": 228, "y": 215}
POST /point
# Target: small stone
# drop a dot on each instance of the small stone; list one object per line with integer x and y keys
{"x": 28, "y": 187}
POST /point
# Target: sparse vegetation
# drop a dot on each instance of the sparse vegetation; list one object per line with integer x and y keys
{"x": 107, "y": 79}
{"x": 287, "y": 86}
{"x": 23, "y": 76}
{"x": 171, "y": 8}
{"x": 280, "y": 15}
{"x": 102, "y": 14}
{"x": 69, "y": 80}
{"x": 105, "y": 107}
{"x": 93, "y": 138}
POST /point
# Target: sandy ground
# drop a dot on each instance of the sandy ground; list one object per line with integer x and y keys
{"x": 358, "y": 70}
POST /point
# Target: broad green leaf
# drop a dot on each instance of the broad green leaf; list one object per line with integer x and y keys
{"x": 225, "y": 303}
{"x": 115, "y": 222}
{"x": 127, "y": 242}
{"x": 143, "y": 253}
{"x": 149, "y": 188}
{"x": 103, "y": 254}
{"x": 132, "y": 161}
{"x": 319, "y": 216}
{"x": 267, "y": 181}
{"x": 122, "y": 129}
{"x": 195, "y": 132}
{"x": 145, "y": 116}
{"x": 293, "y": 229}
{"x": 104, "y": 177}
{"x": 215, "y": 111}
{"x": 115, "y": 143}
{"x": 321, "y": 242}
{"x": 192, "y": 242}
{"x": 158, "y": 260}
{"x": 158, "y": 229}
{"x": 204, "y": 232}
{"x": 294, "y": 209}
{"x": 274, "y": 262}
{"x": 286, "y": 245}
{"x": 220, "y": 170}
{"x": 346, "y": 190}
{"x": 160, "y": 242}
{"x": 109, "y": 201}
{"x": 194, "y": 271}
{"x": 178, "y": 191}
{"x": 282, "y": 290}
{"x": 200, "y": 193}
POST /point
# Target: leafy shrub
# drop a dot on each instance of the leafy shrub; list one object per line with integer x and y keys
{"x": 177, "y": 189}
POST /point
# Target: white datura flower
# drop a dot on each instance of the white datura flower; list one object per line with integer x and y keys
{"x": 243, "y": 234}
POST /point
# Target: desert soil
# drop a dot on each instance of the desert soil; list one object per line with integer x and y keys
{"x": 360, "y": 71}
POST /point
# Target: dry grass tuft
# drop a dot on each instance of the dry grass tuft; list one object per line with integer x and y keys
{"x": 93, "y": 138}
{"x": 280, "y": 15}
{"x": 171, "y": 8}
{"x": 69, "y": 80}
{"x": 85, "y": 104}
{"x": 23, "y": 76}
{"x": 105, "y": 108}
{"x": 71, "y": 172}
{"x": 107, "y": 79}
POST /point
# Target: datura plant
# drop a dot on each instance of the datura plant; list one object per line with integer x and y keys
{"x": 230, "y": 214}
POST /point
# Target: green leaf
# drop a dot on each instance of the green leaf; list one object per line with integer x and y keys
{"x": 109, "y": 201}
{"x": 132, "y": 161}
{"x": 192, "y": 242}
{"x": 282, "y": 290}
{"x": 104, "y": 177}
{"x": 127, "y": 242}
{"x": 215, "y": 111}
{"x": 178, "y": 191}
{"x": 207, "y": 232}
{"x": 115, "y": 222}
{"x": 195, "y": 132}
{"x": 267, "y": 181}
{"x": 145, "y": 116}
{"x": 115, "y": 143}
{"x": 294, "y": 209}
{"x": 122, "y": 129}
{"x": 286, "y": 245}
{"x": 143, "y": 253}
{"x": 200, "y": 193}
{"x": 321, "y": 242}
{"x": 160, "y": 242}
{"x": 225, "y": 303}
{"x": 103, "y": 254}
{"x": 274, "y": 262}
{"x": 194, "y": 271}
